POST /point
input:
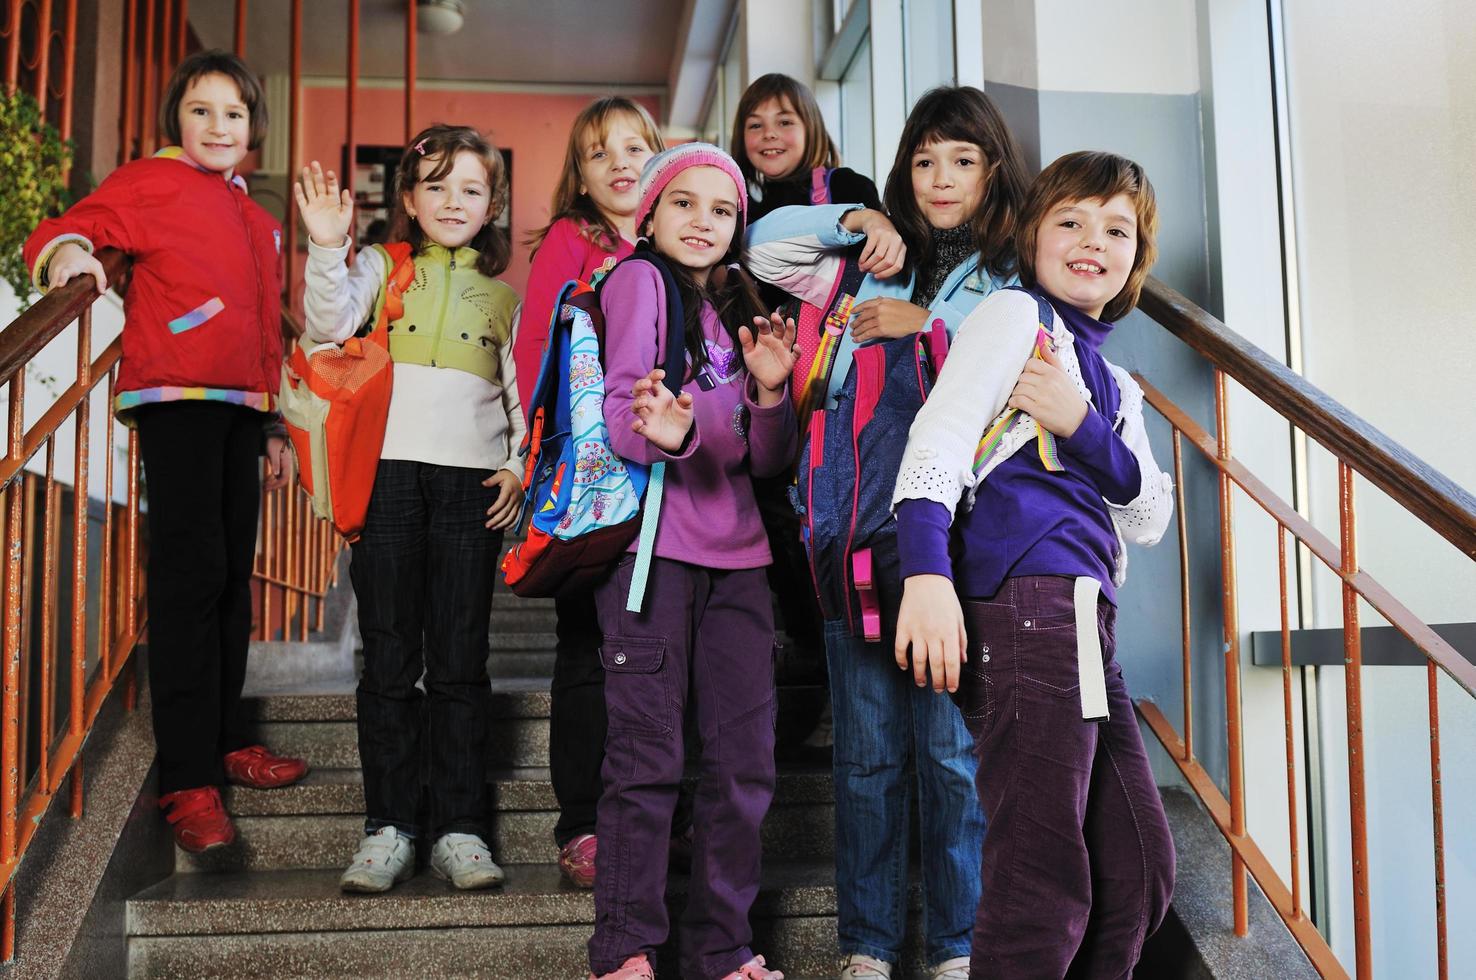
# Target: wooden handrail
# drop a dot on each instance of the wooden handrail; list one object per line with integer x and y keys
{"x": 30, "y": 332}
{"x": 1425, "y": 492}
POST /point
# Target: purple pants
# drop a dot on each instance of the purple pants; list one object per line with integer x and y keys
{"x": 1078, "y": 862}
{"x": 705, "y": 637}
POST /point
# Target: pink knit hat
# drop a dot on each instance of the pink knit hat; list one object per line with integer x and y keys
{"x": 661, "y": 168}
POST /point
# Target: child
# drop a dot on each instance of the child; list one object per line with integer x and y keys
{"x": 202, "y": 355}
{"x": 705, "y": 635}
{"x": 1078, "y": 863}
{"x": 593, "y": 227}
{"x": 425, "y": 564}
{"x": 783, "y": 148}
{"x": 954, "y": 191}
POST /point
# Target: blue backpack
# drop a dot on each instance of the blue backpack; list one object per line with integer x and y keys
{"x": 585, "y": 502}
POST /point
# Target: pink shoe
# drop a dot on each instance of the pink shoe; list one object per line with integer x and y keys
{"x": 577, "y": 861}
{"x": 754, "y": 969}
{"x": 637, "y": 968}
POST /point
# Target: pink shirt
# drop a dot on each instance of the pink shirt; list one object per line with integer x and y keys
{"x": 565, "y": 254}
{"x": 708, "y": 513}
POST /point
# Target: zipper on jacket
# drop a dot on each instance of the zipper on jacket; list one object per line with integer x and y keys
{"x": 260, "y": 291}
{"x": 441, "y": 313}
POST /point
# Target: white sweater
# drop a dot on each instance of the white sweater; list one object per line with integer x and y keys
{"x": 437, "y": 415}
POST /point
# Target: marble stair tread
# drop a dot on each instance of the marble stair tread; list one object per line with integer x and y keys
{"x": 341, "y": 791}
{"x": 245, "y": 902}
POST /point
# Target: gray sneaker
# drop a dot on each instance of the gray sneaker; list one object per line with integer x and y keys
{"x": 385, "y": 858}
{"x": 463, "y": 860}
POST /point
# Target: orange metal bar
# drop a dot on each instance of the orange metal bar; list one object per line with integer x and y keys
{"x": 10, "y": 733}
{"x": 43, "y": 51}
{"x": 181, "y": 40}
{"x": 12, "y": 53}
{"x": 80, "y": 481}
{"x": 1240, "y": 896}
{"x": 48, "y": 617}
{"x": 69, "y": 70}
{"x": 1353, "y": 687}
{"x": 1184, "y": 593}
{"x": 292, "y": 149}
{"x": 410, "y": 69}
{"x": 1437, "y": 806}
{"x": 105, "y": 586}
{"x": 351, "y": 95}
{"x": 240, "y": 28}
{"x": 1291, "y": 743}
{"x": 150, "y": 98}
{"x": 130, "y": 80}
{"x": 289, "y": 560}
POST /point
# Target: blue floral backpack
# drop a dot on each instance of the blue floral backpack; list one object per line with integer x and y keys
{"x": 584, "y": 503}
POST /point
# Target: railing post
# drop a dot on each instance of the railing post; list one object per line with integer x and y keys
{"x": 240, "y": 28}
{"x": 130, "y": 81}
{"x": 43, "y": 52}
{"x": 410, "y": 69}
{"x": 10, "y": 733}
{"x": 351, "y": 96}
{"x": 1184, "y": 603}
{"x": 290, "y": 272}
{"x": 1231, "y": 603}
{"x": 148, "y": 125}
{"x": 81, "y": 478}
{"x": 1289, "y": 734}
{"x": 1353, "y": 686}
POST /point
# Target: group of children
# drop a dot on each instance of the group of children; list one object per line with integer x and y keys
{"x": 1044, "y": 845}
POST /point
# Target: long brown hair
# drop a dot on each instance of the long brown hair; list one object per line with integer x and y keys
{"x": 820, "y": 149}
{"x": 441, "y": 143}
{"x": 569, "y": 201}
{"x": 966, "y": 115}
{"x": 1099, "y": 177}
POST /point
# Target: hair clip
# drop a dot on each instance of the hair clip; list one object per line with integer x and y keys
{"x": 420, "y": 147}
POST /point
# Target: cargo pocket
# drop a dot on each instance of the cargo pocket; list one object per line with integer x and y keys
{"x": 638, "y": 696}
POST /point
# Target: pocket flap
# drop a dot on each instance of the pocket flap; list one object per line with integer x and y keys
{"x": 632, "y": 654}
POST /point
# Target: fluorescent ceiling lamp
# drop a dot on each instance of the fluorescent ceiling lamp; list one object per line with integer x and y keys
{"x": 439, "y": 16}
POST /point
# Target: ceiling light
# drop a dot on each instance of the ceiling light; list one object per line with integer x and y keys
{"x": 439, "y": 16}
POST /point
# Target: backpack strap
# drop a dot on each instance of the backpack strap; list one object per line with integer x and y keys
{"x": 399, "y": 273}
{"x": 1045, "y": 440}
{"x": 820, "y": 185}
{"x": 674, "y": 364}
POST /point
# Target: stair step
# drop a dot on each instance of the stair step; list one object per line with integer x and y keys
{"x": 512, "y": 743}
{"x": 539, "y": 641}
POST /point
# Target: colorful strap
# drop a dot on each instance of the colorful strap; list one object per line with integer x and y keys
{"x": 646, "y": 543}
{"x": 820, "y": 185}
{"x": 988, "y": 447}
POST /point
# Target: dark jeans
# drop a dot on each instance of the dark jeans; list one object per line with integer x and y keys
{"x": 423, "y": 572}
{"x": 704, "y": 639}
{"x": 1078, "y": 862}
{"x": 202, "y": 465}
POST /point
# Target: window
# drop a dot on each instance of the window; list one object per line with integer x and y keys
{"x": 855, "y": 89}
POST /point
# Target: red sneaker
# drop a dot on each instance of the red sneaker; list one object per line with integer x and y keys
{"x": 199, "y": 819}
{"x": 577, "y": 860}
{"x": 254, "y": 766}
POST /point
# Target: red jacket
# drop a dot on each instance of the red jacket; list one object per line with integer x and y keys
{"x": 202, "y": 317}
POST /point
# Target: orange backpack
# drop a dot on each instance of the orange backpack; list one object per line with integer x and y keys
{"x": 335, "y": 400}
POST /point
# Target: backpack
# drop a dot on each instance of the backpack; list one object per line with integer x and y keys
{"x": 335, "y": 400}
{"x": 585, "y": 502}
{"x": 846, "y": 516}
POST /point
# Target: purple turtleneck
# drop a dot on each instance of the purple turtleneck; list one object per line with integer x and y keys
{"x": 1025, "y": 519}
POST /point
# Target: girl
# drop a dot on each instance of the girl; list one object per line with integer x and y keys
{"x": 593, "y": 227}
{"x": 424, "y": 566}
{"x": 202, "y": 355}
{"x": 954, "y": 192}
{"x": 1078, "y": 862}
{"x": 788, "y": 158}
{"x": 706, "y": 630}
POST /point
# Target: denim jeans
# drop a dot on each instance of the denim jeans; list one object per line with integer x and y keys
{"x": 1079, "y": 861}
{"x": 886, "y": 730}
{"x": 423, "y": 572}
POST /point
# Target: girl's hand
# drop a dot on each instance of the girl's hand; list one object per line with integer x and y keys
{"x": 664, "y": 420}
{"x": 769, "y": 354}
{"x": 883, "y": 318}
{"x": 504, "y": 509}
{"x": 1047, "y": 393}
{"x": 931, "y": 623}
{"x": 70, "y": 261}
{"x": 327, "y": 212}
{"x": 885, "y": 253}
{"x": 279, "y": 463}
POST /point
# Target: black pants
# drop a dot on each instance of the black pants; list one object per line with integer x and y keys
{"x": 201, "y": 464}
{"x": 577, "y": 722}
{"x": 423, "y": 572}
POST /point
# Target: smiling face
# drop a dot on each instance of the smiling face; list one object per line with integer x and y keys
{"x": 451, "y": 210}
{"x": 774, "y": 138}
{"x": 1084, "y": 251}
{"x": 214, "y": 123}
{"x": 610, "y": 168}
{"x": 948, "y": 181}
{"x": 695, "y": 218}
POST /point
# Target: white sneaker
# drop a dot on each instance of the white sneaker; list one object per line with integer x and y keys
{"x": 954, "y": 969}
{"x": 384, "y": 858}
{"x": 862, "y": 967}
{"x": 463, "y": 860}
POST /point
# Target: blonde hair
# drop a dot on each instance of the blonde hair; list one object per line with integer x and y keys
{"x": 820, "y": 149}
{"x": 1085, "y": 175}
{"x": 597, "y": 119}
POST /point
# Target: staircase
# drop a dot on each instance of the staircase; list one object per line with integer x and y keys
{"x": 269, "y": 905}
